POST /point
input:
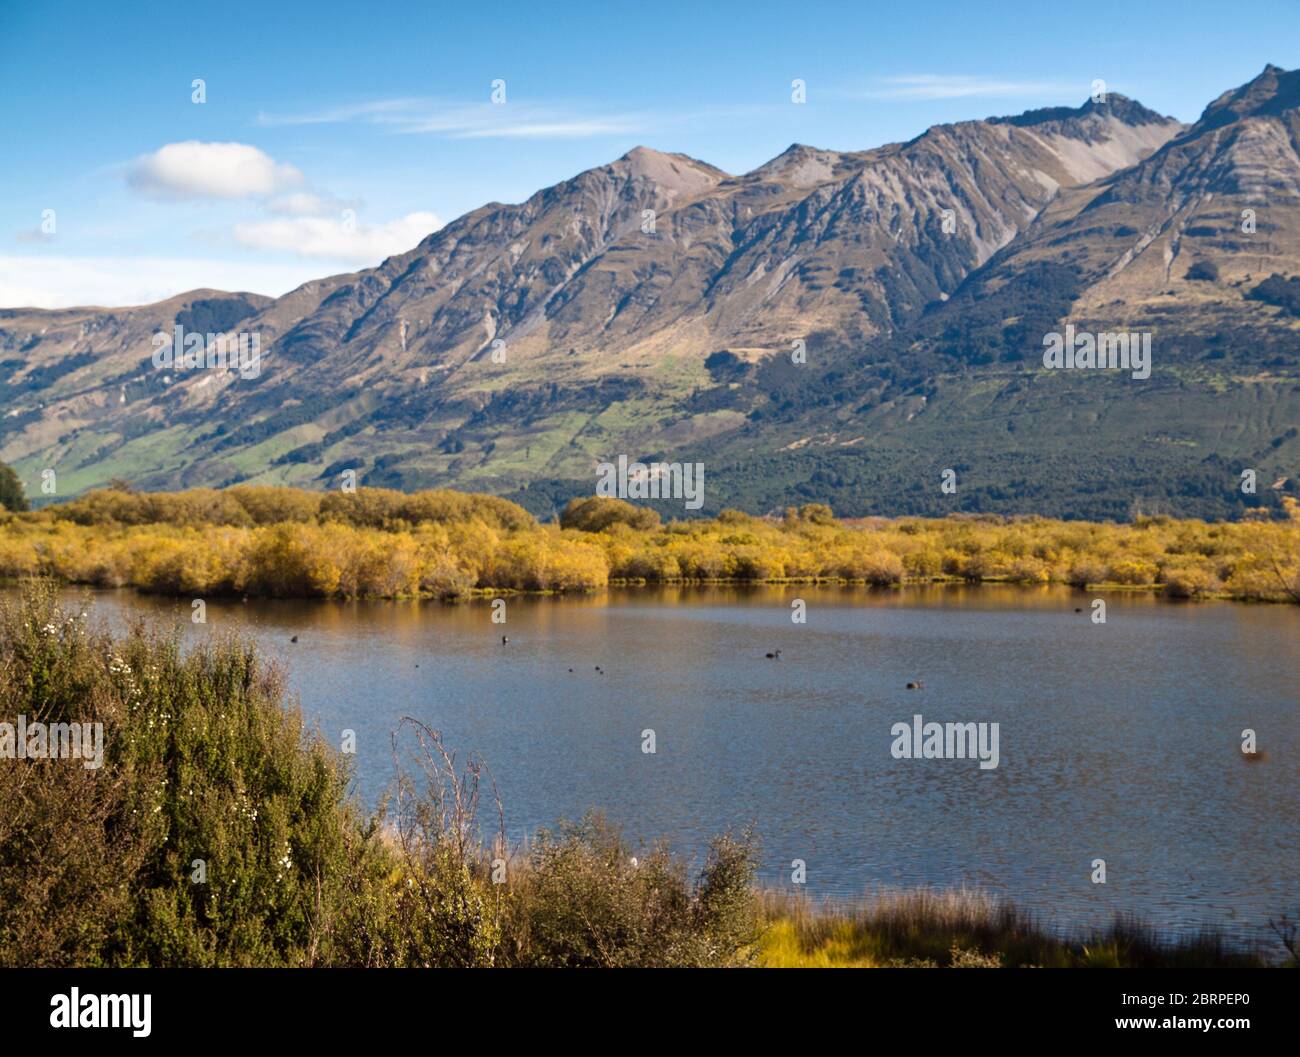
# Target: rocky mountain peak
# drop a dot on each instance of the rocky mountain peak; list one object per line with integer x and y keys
{"x": 678, "y": 173}
{"x": 522, "y": 340}
{"x": 800, "y": 165}
{"x": 1271, "y": 94}
{"x": 1114, "y": 105}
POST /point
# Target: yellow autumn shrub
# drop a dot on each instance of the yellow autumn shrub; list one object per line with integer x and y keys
{"x": 382, "y": 543}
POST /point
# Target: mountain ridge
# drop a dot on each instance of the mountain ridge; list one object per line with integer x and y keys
{"x": 644, "y": 306}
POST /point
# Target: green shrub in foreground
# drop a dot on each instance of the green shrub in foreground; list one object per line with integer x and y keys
{"x": 219, "y": 831}
{"x": 584, "y": 900}
{"x": 220, "y": 827}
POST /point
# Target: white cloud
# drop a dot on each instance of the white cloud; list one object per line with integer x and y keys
{"x": 337, "y": 238}
{"x": 549, "y": 129}
{"x": 191, "y": 170}
{"x": 959, "y": 86}
{"x": 32, "y": 235}
{"x": 288, "y": 217}
{"x": 379, "y": 112}
{"x": 307, "y": 204}
{"x": 458, "y": 120}
{"x": 64, "y": 282}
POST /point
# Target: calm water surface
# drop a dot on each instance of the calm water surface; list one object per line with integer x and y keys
{"x": 1118, "y": 741}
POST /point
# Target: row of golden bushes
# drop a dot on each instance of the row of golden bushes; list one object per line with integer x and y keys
{"x": 375, "y": 543}
{"x": 248, "y": 505}
{"x": 325, "y": 561}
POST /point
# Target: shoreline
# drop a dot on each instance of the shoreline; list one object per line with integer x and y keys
{"x": 1156, "y": 592}
{"x": 255, "y": 542}
{"x": 209, "y": 765}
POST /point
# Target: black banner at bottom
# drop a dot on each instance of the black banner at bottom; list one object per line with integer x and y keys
{"x": 151, "y": 1007}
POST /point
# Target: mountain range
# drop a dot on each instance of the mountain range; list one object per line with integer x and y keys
{"x": 838, "y": 327}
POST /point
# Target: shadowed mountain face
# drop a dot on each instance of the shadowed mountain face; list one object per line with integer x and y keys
{"x": 1197, "y": 246}
{"x": 650, "y": 306}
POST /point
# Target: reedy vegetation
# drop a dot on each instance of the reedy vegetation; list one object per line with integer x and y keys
{"x": 206, "y": 761}
{"x": 961, "y": 929}
{"x": 378, "y": 543}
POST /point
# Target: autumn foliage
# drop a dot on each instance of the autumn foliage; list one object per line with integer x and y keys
{"x": 384, "y": 544}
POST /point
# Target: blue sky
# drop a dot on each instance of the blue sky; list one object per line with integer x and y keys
{"x": 334, "y": 134}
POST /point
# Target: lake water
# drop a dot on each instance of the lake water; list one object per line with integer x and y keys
{"x": 1119, "y": 741}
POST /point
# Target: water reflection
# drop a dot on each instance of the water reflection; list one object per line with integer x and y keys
{"x": 1118, "y": 741}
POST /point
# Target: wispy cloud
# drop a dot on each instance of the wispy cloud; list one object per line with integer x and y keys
{"x": 577, "y": 129}
{"x": 297, "y": 218}
{"x": 32, "y": 235}
{"x": 62, "y": 282}
{"x": 962, "y": 86}
{"x": 340, "y": 240}
{"x": 460, "y": 120}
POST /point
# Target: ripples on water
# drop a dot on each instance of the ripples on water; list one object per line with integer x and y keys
{"x": 1118, "y": 741}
